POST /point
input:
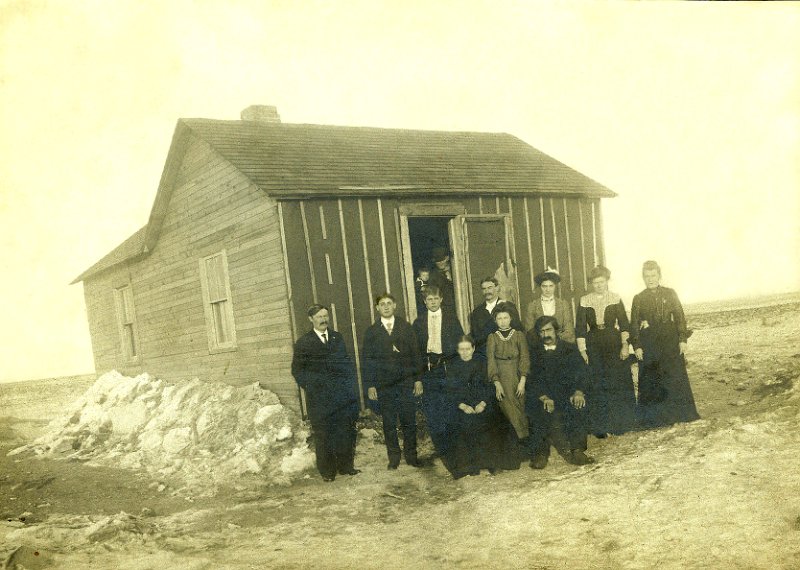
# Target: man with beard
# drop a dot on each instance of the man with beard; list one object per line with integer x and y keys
{"x": 438, "y": 332}
{"x": 322, "y": 367}
{"x": 482, "y": 319}
{"x": 556, "y": 406}
{"x": 390, "y": 372}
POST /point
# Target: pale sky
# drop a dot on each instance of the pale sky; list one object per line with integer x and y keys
{"x": 689, "y": 111}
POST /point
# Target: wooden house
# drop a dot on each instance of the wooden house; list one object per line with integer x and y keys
{"x": 255, "y": 220}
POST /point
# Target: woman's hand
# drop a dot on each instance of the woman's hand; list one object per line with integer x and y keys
{"x": 499, "y": 392}
{"x": 466, "y": 408}
{"x": 585, "y": 356}
{"x": 549, "y": 405}
{"x": 521, "y": 387}
{"x": 480, "y": 407}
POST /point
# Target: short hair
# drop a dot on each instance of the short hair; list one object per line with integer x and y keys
{"x": 384, "y": 295}
{"x": 599, "y": 271}
{"x": 543, "y": 321}
{"x": 650, "y": 265}
{"x": 490, "y": 280}
{"x": 432, "y": 291}
{"x": 466, "y": 338}
{"x": 316, "y": 308}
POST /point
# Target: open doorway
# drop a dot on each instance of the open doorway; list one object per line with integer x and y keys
{"x": 425, "y": 235}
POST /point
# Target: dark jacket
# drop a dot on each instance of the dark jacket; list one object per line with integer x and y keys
{"x": 438, "y": 278}
{"x": 327, "y": 375}
{"x": 555, "y": 374}
{"x": 451, "y": 332}
{"x": 390, "y": 360}
{"x": 467, "y": 384}
{"x": 662, "y": 310}
{"x": 482, "y": 323}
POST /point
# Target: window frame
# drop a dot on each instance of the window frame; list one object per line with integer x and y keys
{"x": 214, "y": 346}
{"x": 122, "y": 323}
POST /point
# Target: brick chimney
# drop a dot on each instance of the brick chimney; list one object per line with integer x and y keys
{"x": 261, "y": 114}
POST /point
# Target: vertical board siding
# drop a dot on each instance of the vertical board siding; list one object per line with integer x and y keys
{"x": 577, "y": 246}
{"x": 395, "y": 268}
{"x": 560, "y": 242}
{"x": 521, "y": 226}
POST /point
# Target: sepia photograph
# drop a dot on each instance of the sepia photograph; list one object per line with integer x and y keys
{"x": 388, "y": 285}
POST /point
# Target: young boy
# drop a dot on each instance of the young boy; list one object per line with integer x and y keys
{"x": 423, "y": 276}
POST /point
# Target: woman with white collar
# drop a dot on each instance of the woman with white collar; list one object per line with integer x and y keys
{"x": 602, "y": 331}
{"x": 547, "y": 304}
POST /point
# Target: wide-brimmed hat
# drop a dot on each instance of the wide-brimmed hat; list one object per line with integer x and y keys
{"x": 439, "y": 254}
{"x": 549, "y": 274}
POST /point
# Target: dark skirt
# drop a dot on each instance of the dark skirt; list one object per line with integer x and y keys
{"x": 665, "y": 395}
{"x": 611, "y": 399}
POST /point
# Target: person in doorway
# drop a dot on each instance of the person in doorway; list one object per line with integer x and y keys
{"x": 556, "y": 404}
{"x": 482, "y": 319}
{"x": 602, "y": 335}
{"x": 322, "y": 367}
{"x": 546, "y": 303}
{"x": 659, "y": 335}
{"x": 391, "y": 365}
{"x": 437, "y": 331}
{"x": 420, "y": 283}
{"x": 472, "y": 399}
{"x": 442, "y": 277}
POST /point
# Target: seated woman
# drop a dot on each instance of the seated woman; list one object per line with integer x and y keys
{"x": 659, "y": 335}
{"x": 472, "y": 396}
{"x": 547, "y": 304}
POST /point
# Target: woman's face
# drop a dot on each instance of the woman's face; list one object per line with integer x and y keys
{"x": 503, "y": 320}
{"x": 465, "y": 350}
{"x": 548, "y": 288}
{"x": 652, "y": 278}
{"x": 600, "y": 285}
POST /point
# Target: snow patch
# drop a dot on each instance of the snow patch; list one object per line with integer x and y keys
{"x": 204, "y": 433}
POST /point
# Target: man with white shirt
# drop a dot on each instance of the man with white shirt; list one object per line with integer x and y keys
{"x": 547, "y": 304}
{"x": 481, "y": 320}
{"x": 390, "y": 371}
{"x": 556, "y": 406}
{"x": 438, "y": 332}
{"x": 322, "y": 367}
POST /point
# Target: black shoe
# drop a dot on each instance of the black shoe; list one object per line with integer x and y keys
{"x": 393, "y": 462}
{"x": 351, "y": 471}
{"x": 578, "y": 457}
{"x": 413, "y": 461}
{"x": 539, "y": 462}
{"x": 328, "y": 478}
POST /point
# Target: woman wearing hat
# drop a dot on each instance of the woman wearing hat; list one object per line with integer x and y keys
{"x": 602, "y": 335}
{"x": 547, "y": 304}
{"x": 659, "y": 335}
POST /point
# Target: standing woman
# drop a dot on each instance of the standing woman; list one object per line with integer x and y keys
{"x": 508, "y": 363}
{"x": 547, "y": 304}
{"x": 602, "y": 336}
{"x": 659, "y": 335}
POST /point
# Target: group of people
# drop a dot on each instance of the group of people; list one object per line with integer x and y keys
{"x": 509, "y": 391}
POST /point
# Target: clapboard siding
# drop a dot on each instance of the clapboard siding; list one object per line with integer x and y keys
{"x": 213, "y": 206}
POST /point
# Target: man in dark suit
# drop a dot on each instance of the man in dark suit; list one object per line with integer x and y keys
{"x": 441, "y": 277}
{"x": 438, "y": 332}
{"x": 555, "y": 405}
{"x": 482, "y": 318}
{"x": 391, "y": 366}
{"x": 322, "y": 367}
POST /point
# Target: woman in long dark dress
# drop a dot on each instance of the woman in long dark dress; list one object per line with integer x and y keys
{"x": 659, "y": 335}
{"x": 472, "y": 400}
{"x": 601, "y": 329}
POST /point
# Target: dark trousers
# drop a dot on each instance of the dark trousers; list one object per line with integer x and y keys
{"x": 334, "y": 443}
{"x": 439, "y": 410}
{"x": 564, "y": 429}
{"x": 398, "y": 402}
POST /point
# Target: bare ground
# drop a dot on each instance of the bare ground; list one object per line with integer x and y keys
{"x": 718, "y": 493}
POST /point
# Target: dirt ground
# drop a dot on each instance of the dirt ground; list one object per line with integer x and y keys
{"x": 718, "y": 493}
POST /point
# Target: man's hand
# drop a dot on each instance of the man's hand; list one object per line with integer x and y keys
{"x": 521, "y": 387}
{"x": 623, "y": 353}
{"x": 418, "y": 388}
{"x": 499, "y": 392}
{"x": 549, "y": 405}
{"x": 639, "y": 354}
{"x": 585, "y": 356}
{"x": 578, "y": 400}
{"x": 372, "y": 393}
{"x": 682, "y": 347}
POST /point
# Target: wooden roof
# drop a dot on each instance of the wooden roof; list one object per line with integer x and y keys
{"x": 294, "y": 161}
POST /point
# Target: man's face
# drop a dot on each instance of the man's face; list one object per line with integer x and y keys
{"x": 443, "y": 264}
{"x": 651, "y": 278}
{"x": 548, "y": 288}
{"x": 433, "y": 302}
{"x": 386, "y": 307}
{"x": 465, "y": 350}
{"x": 320, "y": 320}
{"x": 489, "y": 291}
{"x": 548, "y": 334}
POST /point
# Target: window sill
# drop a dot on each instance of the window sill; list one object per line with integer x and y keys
{"x": 219, "y": 349}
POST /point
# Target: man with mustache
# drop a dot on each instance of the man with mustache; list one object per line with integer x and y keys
{"x": 482, "y": 322}
{"x": 322, "y": 367}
